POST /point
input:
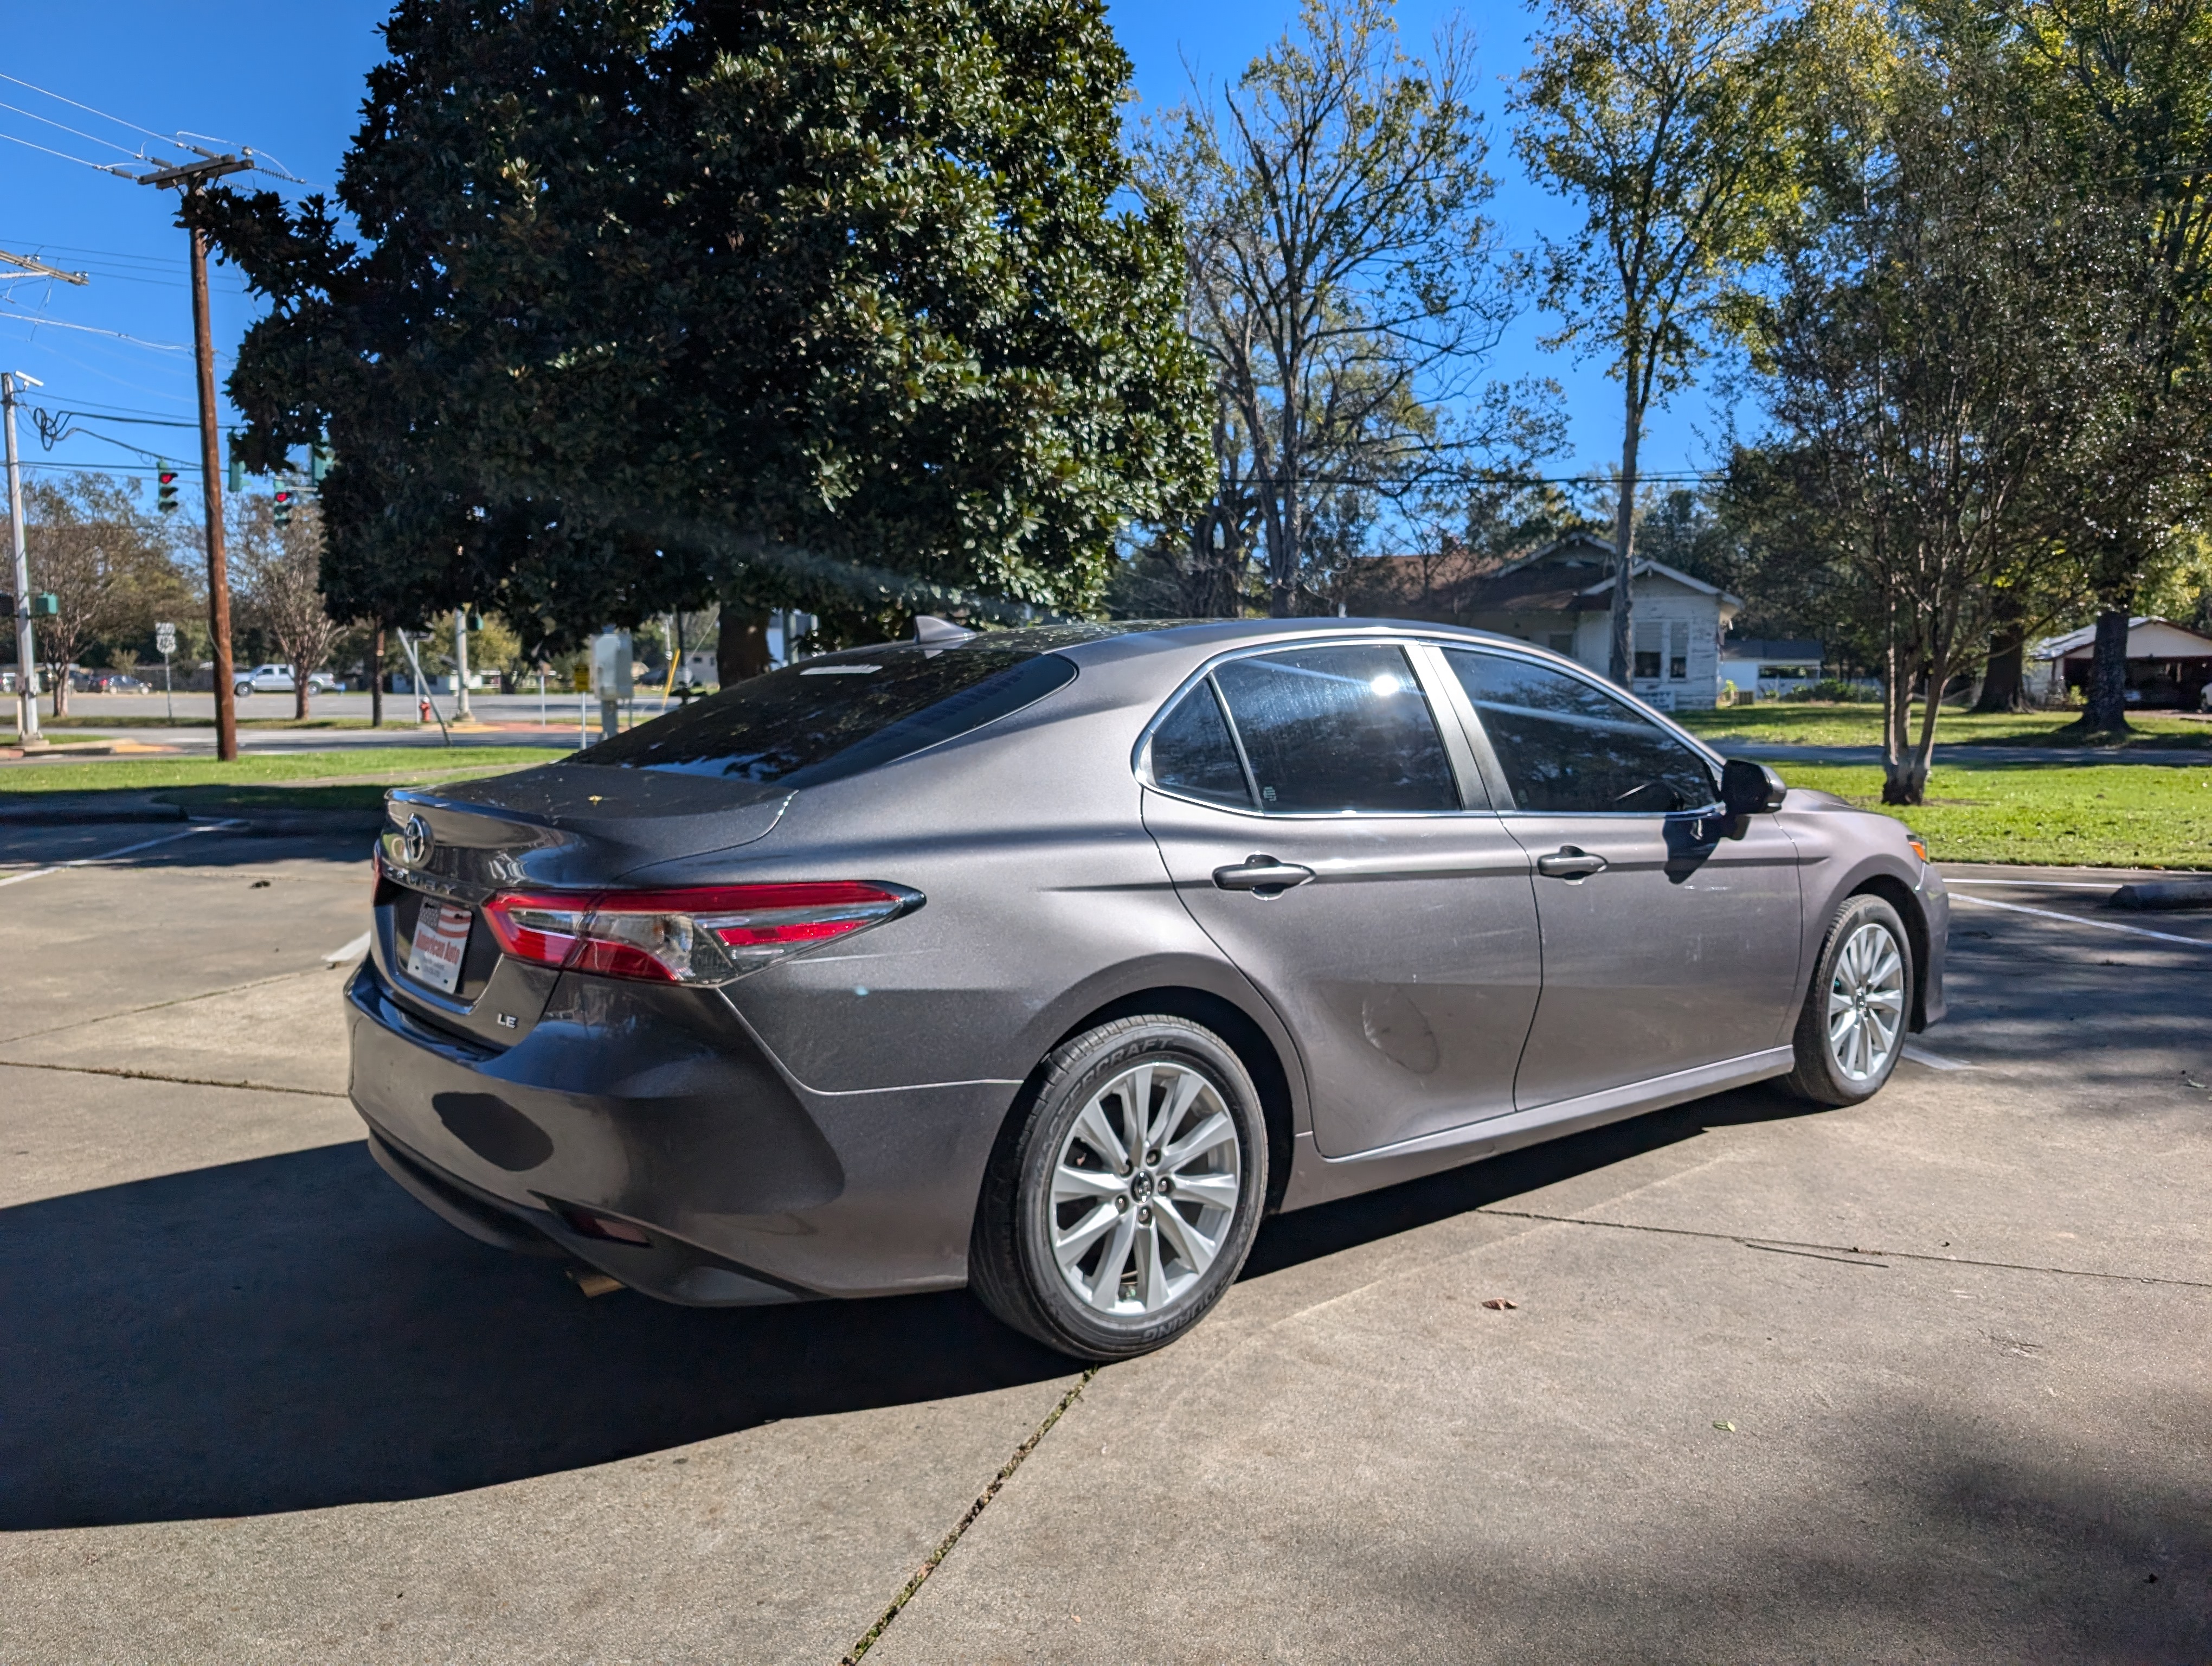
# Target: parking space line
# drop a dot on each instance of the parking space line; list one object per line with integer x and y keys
{"x": 110, "y": 855}
{"x": 1919, "y": 1055}
{"x": 2077, "y": 919}
{"x": 2039, "y": 885}
{"x": 336, "y": 957}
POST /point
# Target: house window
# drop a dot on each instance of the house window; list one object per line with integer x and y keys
{"x": 1678, "y": 651}
{"x": 1650, "y": 651}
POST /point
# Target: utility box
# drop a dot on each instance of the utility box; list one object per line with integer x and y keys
{"x": 611, "y": 659}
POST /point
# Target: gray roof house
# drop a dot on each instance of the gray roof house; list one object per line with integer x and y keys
{"x": 1560, "y": 597}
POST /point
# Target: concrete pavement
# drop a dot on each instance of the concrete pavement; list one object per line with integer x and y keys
{"x": 261, "y": 1407}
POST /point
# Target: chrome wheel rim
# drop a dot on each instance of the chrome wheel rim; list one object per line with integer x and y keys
{"x": 1144, "y": 1189}
{"x": 1866, "y": 1003}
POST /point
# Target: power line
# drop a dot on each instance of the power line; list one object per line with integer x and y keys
{"x": 96, "y": 167}
{"x": 39, "y": 321}
{"x": 87, "y": 108}
{"x": 111, "y": 414}
{"x": 75, "y": 132}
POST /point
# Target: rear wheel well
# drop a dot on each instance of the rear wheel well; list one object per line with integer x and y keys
{"x": 1245, "y": 1037}
{"x": 1899, "y": 895}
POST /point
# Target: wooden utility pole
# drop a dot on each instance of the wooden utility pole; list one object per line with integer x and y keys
{"x": 225, "y": 697}
{"x": 189, "y": 176}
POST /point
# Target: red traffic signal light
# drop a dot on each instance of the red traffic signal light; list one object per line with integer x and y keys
{"x": 166, "y": 497}
{"x": 282, "y": 500}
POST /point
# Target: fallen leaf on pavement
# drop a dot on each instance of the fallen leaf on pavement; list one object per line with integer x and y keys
{"x": 1500, "y": 1304}
{"x": 1725, "y": 1428}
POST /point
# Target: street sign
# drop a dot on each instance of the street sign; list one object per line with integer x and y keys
{"x": 165, "y": 640}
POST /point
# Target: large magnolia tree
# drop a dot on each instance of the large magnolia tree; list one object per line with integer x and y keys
{"x": 843, "y": 307}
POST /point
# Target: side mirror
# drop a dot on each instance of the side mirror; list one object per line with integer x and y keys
{"x": 1750, "y": 789}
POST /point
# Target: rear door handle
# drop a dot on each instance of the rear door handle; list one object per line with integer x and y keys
{"x": 1263, "y": 875}
{"x": 1570, "y": 863}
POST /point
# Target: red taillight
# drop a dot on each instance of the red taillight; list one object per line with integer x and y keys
{"x": 707, "y": 934}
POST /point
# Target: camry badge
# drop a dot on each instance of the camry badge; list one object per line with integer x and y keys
{"x": 415, "y": 842}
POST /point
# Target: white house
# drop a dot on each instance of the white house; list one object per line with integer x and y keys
{"x": 1561, "y": 597}
{"x": 1769, "y": 666}
{"x": 2168, "y": 665}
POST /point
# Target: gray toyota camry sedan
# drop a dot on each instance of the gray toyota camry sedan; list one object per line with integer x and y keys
{"x": 1049, "y": 961}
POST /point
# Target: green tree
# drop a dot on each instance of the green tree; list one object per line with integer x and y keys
{"x": 835, "y": 306}
{"x": 2128, "y": 83}
{"x": 277, "y": 573}
{"x": 1345, "y": 285}
{"x": 1922, "y": 369}
{"x": 1670, "y": 121}
{"x": 106, "y": 562}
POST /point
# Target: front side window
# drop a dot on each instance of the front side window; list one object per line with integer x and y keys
{"x": 1567, "y": 745}
{"x": 1333, "y": 729}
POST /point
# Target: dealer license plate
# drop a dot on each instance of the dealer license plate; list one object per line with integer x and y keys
{"x": 441, "y": 939}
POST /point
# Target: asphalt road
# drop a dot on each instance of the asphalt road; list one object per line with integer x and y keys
{"x": 1926, "y": 1380}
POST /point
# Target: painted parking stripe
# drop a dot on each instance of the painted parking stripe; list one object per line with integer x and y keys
{"x": 2039, "y": 885}
{"x": 357, "y": 946}
{"x": 2076, "y": 919}
{"x": 1919, "y": 1055}
{"x": 110, "y": 855}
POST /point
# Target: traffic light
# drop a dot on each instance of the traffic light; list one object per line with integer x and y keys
{"x": 476, "y": 621}
{"x": 318, "y": 465}
{"x": 236, "y": 481}
{"x": 283, "y": 505}
{"x": 166, "y": 497}
{"x": 46, "y": 605}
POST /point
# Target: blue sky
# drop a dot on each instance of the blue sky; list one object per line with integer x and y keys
{"x": 286, "y": 78}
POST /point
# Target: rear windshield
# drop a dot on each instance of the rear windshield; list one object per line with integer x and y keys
{"x": 835, "y": 716}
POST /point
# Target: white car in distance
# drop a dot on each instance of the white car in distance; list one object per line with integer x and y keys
{"x": 278, "y": 680}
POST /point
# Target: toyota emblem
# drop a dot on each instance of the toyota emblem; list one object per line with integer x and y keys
{"x": 415, "y": 842}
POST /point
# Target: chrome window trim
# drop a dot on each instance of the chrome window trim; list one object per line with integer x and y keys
{"x": 1456, "y": 757}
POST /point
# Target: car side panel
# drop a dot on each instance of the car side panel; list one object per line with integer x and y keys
{"x": 1045, "y": 900}
{"x": 1847, "y": 851}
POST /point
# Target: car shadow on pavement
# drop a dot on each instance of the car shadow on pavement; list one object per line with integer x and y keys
{"x": 295, "y": 1332}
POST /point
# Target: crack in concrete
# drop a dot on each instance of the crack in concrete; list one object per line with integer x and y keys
{"x": 163, "y": 1076}
{"x": 322, "y": 969}
{"x": 1842, "y": 1251}
{"x": 874, "y": 1634}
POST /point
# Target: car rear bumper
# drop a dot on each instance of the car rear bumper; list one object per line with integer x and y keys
{"x": 655, "y": 1109}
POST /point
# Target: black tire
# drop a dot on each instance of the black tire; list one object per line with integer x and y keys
{"x": 1012, "y": 1267}
{"x": 1820, "y": 1075}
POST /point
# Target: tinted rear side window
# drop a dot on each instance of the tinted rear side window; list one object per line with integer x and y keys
{"x": 1567, "y": 745}
{"x": 1192, "y": 752}
{"x": 843, "y": 713}
{"x": 1331, "y": 729}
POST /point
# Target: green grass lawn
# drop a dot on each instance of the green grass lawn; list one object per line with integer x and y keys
{"x": 1786, "y": 723}
{"x": 2102, "y": 815}
{"x": 305, "y": 780}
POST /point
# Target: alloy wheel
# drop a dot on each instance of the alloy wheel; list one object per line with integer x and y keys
{"x": 1145, "y": 1189}
{"x": 1866, "y": 1003}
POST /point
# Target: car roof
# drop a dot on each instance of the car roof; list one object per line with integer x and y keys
{"x": 1124, "y": 639}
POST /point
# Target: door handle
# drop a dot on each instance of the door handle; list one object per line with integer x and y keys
{"x": 1263, "y": 875}
{"x": 1570, "y": 863}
